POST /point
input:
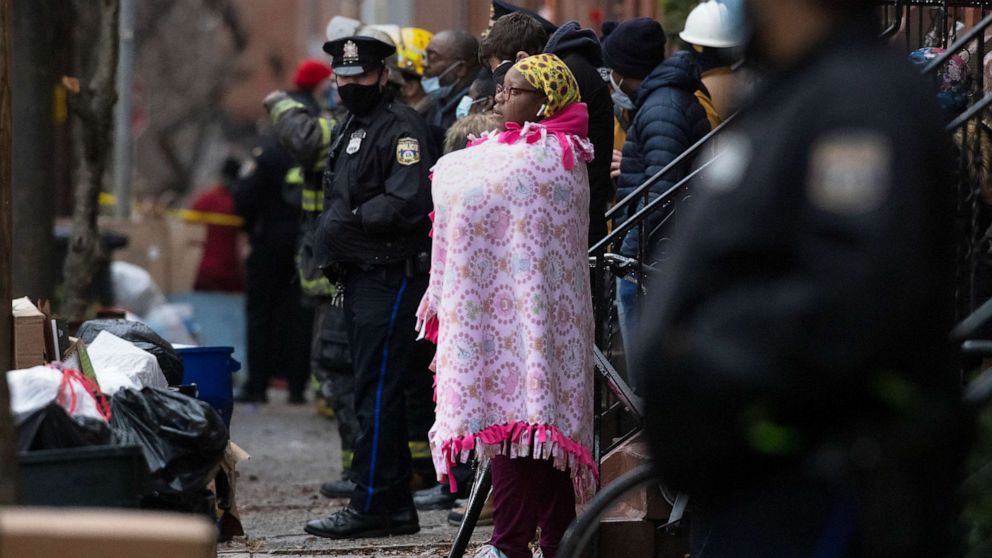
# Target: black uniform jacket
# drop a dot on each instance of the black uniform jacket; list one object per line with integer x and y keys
{"x": 376, "y": 188}
{"x": 809, "y": 299}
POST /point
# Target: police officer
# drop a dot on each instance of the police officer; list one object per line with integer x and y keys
{"x": 307, "y": 134}
{"x": 799, "y": 381}
{"x": 372, "y": 238}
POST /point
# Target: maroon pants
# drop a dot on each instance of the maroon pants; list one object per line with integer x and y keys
{"x": 530, "y": 493}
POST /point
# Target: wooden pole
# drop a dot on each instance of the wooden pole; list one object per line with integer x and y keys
{"x": 8, "y": 457}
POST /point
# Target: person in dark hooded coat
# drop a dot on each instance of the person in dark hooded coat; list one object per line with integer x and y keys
{"x": 669, "y": 117}
{"x": 580, "y": 50}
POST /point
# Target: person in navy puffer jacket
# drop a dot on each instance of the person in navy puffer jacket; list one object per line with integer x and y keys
{"x": 670, "y": 115}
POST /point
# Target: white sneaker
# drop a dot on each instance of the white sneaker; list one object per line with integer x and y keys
{"x": 489, "y": 551}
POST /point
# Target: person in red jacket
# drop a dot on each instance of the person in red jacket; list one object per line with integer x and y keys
{"x": 220, "y": 268}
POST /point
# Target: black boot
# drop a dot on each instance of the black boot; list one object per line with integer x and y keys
{"x": 342, "y": 488}
{"x": 437, "y": 498}
{"x": 349, "y": 523}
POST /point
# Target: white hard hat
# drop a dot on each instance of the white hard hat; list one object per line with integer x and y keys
{"x": 376, "y": 33}
{"x": 340, "y": 27}
{"x": 392, "y": 30}
{"x": 711, "y": 24}
{"x": 379, "y": 33}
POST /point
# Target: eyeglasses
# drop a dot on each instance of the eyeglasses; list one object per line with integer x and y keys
{"x": 511, "y": 91}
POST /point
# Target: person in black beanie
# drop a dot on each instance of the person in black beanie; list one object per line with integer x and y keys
{"x": 668, "y": 119}
{"x": 606, "y": 28}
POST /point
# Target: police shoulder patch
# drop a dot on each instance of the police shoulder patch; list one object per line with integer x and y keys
{"x": 850, "y": 172}
{"x": 408, "y": 151}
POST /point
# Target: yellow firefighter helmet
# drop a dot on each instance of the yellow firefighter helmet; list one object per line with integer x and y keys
{"x": 412, "y": 49}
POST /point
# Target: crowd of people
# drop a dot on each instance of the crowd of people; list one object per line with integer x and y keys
{"x": 455, "y": 183}
{"x": 447, "y": 189}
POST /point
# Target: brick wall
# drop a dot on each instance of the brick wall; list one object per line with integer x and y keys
{"x": 283, "y": 32}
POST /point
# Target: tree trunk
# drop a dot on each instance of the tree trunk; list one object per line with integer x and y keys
{"x": 93, "y": 105}
{"x": 8, "y": 457}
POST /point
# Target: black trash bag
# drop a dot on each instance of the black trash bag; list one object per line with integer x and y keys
{"x": 51, "y": 427}
{"x": 142, "y": 337}
{"x": 183, "y": 439}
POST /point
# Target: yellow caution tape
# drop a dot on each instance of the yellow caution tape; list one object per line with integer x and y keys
{"x": 193, "y": 216}
{"x": 209, "y": 218}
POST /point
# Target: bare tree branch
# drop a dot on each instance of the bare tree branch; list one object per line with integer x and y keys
{"x": 183, "y": 99}
{"x": 229, "y": 15}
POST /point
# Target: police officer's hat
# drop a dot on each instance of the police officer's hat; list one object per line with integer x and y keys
{"x": 356, "y": 55}
{"x": 500, "y": 8}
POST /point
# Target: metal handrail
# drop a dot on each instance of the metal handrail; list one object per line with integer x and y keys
{"x": 972, "y": 111}
{"x": 897, "y": 24}
{"x": 639, "y": 191}
{"x": 621, "y": 390}
{"x": 635, "y": 219}
{"x": 970, "y": 325}
{"x": 582, "y": 528}
{"x": 958, "y": 45}
{"x": 938, "y": 3}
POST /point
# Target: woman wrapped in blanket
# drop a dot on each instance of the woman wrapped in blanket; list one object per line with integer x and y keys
{"x": 510, "y": 308}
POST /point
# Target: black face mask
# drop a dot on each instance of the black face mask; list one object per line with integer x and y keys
{"x": 360, "y": 99}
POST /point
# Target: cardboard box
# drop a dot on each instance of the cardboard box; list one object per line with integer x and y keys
{"x": 645, "y": 503}
{"x": 29, "y": 334}
{"x": 186, "y": 240}
{"x": 168, "y": 248}
{"x": 91, "y": 533}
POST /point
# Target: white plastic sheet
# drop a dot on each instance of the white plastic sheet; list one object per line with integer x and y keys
{"x": 34, "y": 388}
{"x": 119, "y": 364}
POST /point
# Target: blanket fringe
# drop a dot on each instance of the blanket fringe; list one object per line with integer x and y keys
{"x": 538, "y": 441}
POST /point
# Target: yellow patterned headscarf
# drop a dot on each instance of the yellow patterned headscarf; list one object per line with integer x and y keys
{"x": 548, "y": 74}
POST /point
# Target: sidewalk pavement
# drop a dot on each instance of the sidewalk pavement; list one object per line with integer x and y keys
{"x": 292, "y": 451}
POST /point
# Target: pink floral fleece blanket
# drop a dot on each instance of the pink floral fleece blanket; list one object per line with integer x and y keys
{"x": 509, "y": 294}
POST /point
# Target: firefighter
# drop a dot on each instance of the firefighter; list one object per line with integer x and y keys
{"x": 305, "y": 131}
{"x": 269, "y": 200}
{"x": 411, "y": 51}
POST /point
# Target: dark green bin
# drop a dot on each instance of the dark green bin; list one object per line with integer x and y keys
{"x": 91, "y": 476}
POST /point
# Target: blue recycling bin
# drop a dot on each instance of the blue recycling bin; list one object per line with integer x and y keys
{"x": 212, "y": 369}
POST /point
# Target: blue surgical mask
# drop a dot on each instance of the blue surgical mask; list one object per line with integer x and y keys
{"x": 432, "y": 85}
{"x": 620, "y": 98}
{"x": 464, "y": 107}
